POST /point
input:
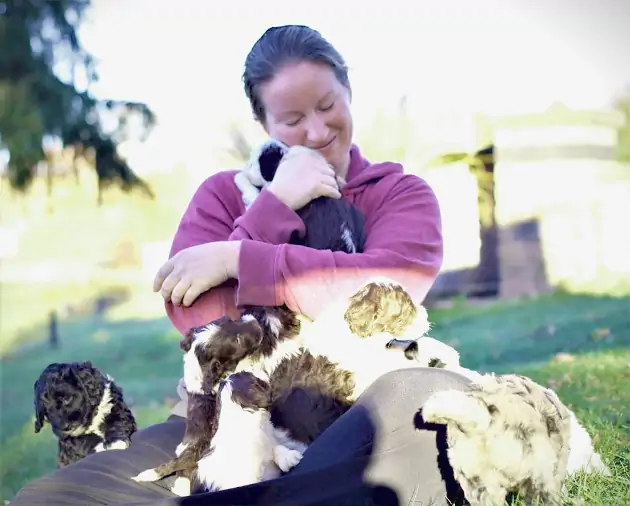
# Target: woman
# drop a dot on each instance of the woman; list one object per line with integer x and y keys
{"x": 224, "y": 257}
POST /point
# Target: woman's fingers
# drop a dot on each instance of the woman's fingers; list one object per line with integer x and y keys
{"x": 162, "y": 274}
{"x": 169, "y": 285}
{"x": 180, "y": 292}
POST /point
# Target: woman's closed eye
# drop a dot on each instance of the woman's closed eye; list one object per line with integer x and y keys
{"x": 327, "y": 107}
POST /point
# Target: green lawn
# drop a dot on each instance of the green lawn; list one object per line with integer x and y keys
{"x": 143, "y": 357}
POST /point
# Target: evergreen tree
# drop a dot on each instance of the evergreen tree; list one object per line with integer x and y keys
{"x": 37, "y": 36}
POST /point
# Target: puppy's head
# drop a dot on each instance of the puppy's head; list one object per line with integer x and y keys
{"x": 262, "y": 165}
{"x": 245, "y": 391}
{"x": 66, "y": 395}
{"x": 277, "y": 322}
{"x": 213, "y": 351}
{"x": 382, "y": 306}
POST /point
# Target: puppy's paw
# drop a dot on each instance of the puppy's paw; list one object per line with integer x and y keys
{"x": 181, "y": 487}
{"x": 120, "y": 444}
{"x": 148, "y": 475}
{"x": 285, "y": 458}
{"x": 445, "y": 406}
{"x": 383, "y": 306}
{"x": 249, "y": 192}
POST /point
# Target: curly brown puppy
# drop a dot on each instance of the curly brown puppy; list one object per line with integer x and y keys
{"x": 506, "y": 435}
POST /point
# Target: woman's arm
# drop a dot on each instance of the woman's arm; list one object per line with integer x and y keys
{"x": 404, "y": 242}
{"x": 212, "y": 215}
{"x": 267, "y": 220}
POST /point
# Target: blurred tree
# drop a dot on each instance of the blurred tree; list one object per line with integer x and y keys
{"x": 36, "y": 38}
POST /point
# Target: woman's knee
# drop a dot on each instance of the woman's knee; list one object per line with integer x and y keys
{"x": 397, "y": 395}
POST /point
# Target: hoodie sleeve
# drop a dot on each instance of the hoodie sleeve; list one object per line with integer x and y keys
{"x": 209, "y": 217}
{"x": 404, "y": 242}
{"x": 267, "y": 220}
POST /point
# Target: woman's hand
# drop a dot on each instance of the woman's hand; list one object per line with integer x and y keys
{"x": 197, "y": 269}
{"x": 303, "y": 175}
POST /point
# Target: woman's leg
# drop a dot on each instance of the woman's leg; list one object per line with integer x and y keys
{"x": 104, "y": 478}
{"x": 379, "y": 452}
{"x": 393, "y": 452}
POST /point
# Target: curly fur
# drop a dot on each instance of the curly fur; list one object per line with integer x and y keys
{"x": 85, "y": 409}
{"x": 506, "y": 435}
{"x": 516, "y": 429}
{"x": 383, "y": 306}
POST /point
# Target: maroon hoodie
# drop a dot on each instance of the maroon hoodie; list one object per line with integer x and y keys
{"x": 403, "y": 230}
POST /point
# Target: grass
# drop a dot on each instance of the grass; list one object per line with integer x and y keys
{"x": 592, "y": 333}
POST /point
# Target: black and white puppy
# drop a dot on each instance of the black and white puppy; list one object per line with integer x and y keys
{"x": 332, "y": 224}
{"x": 85, "y": 409}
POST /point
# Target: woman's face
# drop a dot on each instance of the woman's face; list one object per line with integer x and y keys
{"x": 306, "y": 105}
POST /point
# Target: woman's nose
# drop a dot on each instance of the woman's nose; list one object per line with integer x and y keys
{"x": 317, "y": 132}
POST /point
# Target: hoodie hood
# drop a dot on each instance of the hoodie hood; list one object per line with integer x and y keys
{"x": 362, "y": 172}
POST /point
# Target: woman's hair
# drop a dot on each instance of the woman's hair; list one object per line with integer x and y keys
{"x": 281, "y": 45}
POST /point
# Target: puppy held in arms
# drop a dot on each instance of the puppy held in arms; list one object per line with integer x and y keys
{"x": 331, "y": 224}
{"x": 245, "y": 448}
{"x": 85, "y": 409}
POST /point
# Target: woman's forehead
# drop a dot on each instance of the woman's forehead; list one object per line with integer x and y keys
{"x": 298, "y": 87}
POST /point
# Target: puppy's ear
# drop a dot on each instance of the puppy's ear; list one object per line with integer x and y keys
{"x": 186, "y": 343}
{"x": 40, "y": 409}
{"x": 380, "y": 306}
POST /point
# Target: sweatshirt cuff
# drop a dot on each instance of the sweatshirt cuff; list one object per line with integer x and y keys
{"x": 256, "y": 274}
{"x": 270, "y": 220}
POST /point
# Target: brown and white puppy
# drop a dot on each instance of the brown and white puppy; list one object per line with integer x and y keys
{"x": 246, "y": 447}
{"x": 258, "y": 341}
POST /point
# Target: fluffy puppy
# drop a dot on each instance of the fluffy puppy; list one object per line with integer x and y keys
{"x": 331, "y": 224}
{"x": 506, "y": 435}
{"x": 372, "y": 332}
{"x": 246, "y": 448}
{"x": 85, "y": 409}
{"x": 509, "y": 421}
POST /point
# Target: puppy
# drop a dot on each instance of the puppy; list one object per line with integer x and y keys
{"x": 246, "y": 448}
{"x": 331, "y": 224}
{"x": 259, "y": 340}
{"x": 85, "y": 409}
{"x": 510, "y": 394}
{"x": 506, "y": 435}
{"x": 376, "y": 329}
